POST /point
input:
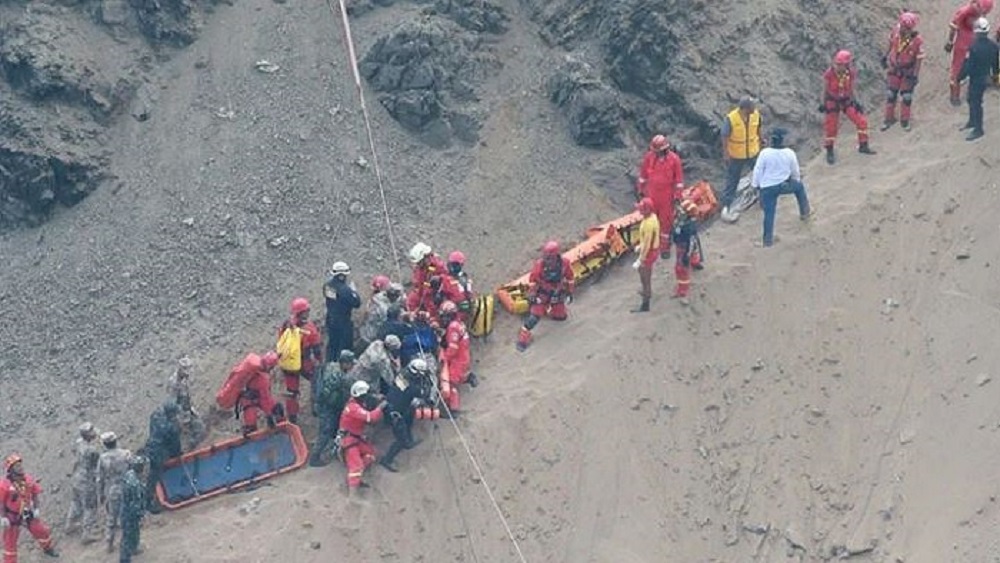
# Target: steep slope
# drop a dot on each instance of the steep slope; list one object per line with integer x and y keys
{"x": 820, "y": 398}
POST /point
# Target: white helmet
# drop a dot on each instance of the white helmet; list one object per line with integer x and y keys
{"x": 360, "y": 388}
{"x": 419, "y": 252}
{"x": 982, "y": 25}
{"x": 419, "y": 367}
{"x": 340, "y": 269}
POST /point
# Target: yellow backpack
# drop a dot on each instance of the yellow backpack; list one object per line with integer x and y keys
{"x": 289, "y": 349}
{"x": 481, "y": 323}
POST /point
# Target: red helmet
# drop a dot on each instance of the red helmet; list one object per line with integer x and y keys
{"x": 457, "y": 257}
{"x": 551, "y": 248}
{"x": 645, "y": 206}
{"x": 985, "y": 6}
{"x": 11, "y": 460}
{"x": 843, "y": 57}
{"x": 269, "y": 360}
{"x": 659, "y": 143}
{"x": 380, "y": 282}
{"x": 908, "y": 20}
{"x": 299, "y": 306}
{"x": 448, "y": 308}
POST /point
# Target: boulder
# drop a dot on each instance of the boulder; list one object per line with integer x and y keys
{"x": 474, "y": 15}
{"x": 174, "y": 22}
{"x": 590, "y": 106}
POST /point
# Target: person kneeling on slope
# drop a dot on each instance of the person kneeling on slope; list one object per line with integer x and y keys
{"x": 550, "y": 288}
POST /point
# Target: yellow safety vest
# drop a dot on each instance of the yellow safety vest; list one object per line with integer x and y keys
{"x": 743, "y": 141}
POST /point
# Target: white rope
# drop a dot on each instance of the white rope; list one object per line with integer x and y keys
{"x": 392, "y": 242}
{"x": 368, "y": 129}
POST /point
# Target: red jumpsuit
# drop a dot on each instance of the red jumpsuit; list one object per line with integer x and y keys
{"x": 431, "y": 298}
{"x": 429, "y": 267}
{"x": 903, "y": 60}
{"x": 256, "y": 398}
{"x": 661, "y": 178}
{"x": 551, "y": 280}
{"x": 312, "y": 356}
{"x": 357, "y": 451}
{"x": 18, "y": 499}
{"x": 458, "y": 359}
{"x": 839, "y": 97}
{"x": 962, "y": 23}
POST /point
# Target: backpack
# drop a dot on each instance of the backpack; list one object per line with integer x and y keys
{"x": 236, "y": 381}
{"x": 481, "y": 323}
{"x": 699, "y": 201}
{"x": 289, "y": 348}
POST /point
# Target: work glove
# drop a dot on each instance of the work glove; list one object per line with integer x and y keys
{"x": 271, "y": 422}
{"x": 569, "y": 298}
{"x": 948, "y": 47}
{"x": 4, "y": 523}
{"x": 636, "y": 264}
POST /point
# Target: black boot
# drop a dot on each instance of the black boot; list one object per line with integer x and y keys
{"x": 863, "y": 148}
{"x": 473, "y": 380}
{"x": 643, "y": 307}
{"x": 830, "y": 158}
{"x": 905, "y": 124}
{"x": 974, "y": 134}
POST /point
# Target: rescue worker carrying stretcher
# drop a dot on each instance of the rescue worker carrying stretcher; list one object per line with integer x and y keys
{"x": 410, "y": 389}
{"x": 550, "y": 288}
{"x": 838, "y": 97}
{"x": 902, "y": 63}
{"x": 356, "y": 450}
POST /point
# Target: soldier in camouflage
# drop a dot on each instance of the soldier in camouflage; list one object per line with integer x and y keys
{"x": 164, "y": 442}
{"x": 179, "y": 390}
{"x": 111, "y": 468}
{"x": 379, "y": 363}
{"x": 133, "y": 508}
{"x": 83, "y": 506}
{"x": 376, "y": 310}
{"x": 333, "y": 389}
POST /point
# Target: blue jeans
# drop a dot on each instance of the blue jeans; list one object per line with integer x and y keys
{"x": 769, "y": 203}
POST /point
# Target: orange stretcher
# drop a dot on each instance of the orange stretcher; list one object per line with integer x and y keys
{"x": 604, "y": 244}
{"x": 231, "y": 464}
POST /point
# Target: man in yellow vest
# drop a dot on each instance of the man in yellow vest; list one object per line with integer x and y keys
{"x": 741, "y": 143}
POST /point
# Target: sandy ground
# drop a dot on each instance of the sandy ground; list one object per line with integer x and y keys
{"x": 831, "y": 396}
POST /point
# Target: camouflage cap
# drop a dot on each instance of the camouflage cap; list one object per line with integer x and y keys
{"x": 185, "y": 363}
{"x": 109, "y": 437}
{"x": 87, "y": 428}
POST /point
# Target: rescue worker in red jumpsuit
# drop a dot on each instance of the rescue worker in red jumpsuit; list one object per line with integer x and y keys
{"x": 902, "y": 64}
{"x": 19, "y": 501}
{"x": 357, "y": 451}
{"x": 960, "y": 37}
{"x": 838, "y": 96}
{"x": 550, "y": 287}
{"x": 311, "y": 355}
{"x": 256, "y": 398}
{"x": 426, "y": 265}
{"x": 661, "y": 178}
{"x": 455, "y": 355}
{"x": 442, "y": 288}
{"x": 463, "y": 283}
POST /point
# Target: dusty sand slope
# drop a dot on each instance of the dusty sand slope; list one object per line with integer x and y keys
{"x": 789, "y": 413}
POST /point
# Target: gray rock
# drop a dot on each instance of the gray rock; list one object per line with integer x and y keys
{"x": 590, "y": 106}
{"x": 114, "y": 12}
{"x": 174, "y": 22}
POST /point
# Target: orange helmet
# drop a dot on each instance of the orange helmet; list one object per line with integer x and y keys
{"x": 457, "y": 257}
{"x": 448, "y": 308}
{"x": 380, "y": 282}
{"x": 908, "y": 20}
{"x": 843, "y": 57}
{"x": 269, "y": 360}
{"x": 645, "y": 206}
{"x": 299, "y": 305}
{"x": 551, "y": 248}
{"x": 659, "y": 143}
{"x": 11, "y": 460}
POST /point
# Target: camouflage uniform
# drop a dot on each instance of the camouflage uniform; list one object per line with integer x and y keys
{"x": 133, "y": 509}
{"x": 179, "y": 391}
{"x": 376, "y": 313}
{"x": 112, "y": 466}
{"x": 376, "y": 366}
{"x": 83, "y": 506}
{"x": 333, "y": 390}
{"x": 164, "y": 442}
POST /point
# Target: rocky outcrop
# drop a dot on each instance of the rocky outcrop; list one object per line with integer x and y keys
{"x": 174, "y": 22}
{"x": 591, "y": 107}
{"x": 425, "y": 73}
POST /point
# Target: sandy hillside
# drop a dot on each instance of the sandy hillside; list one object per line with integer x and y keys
{"x": 832, "y": 396}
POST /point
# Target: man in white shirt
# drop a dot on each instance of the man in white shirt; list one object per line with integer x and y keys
{"x": 776, "y": 173}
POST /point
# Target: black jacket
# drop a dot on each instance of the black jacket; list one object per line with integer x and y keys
{"x": 983, "y": 62}
{"x": 340, "y": 301}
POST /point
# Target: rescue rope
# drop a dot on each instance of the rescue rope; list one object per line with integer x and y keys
{"x": 454, "y": 487}
{"x": 348, "y": 38}
{"x": 345, "y": 21}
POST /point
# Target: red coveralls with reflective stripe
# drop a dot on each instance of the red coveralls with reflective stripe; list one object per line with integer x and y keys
{"x": 357, "y": 451}
{"x": 17, "y": 499}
